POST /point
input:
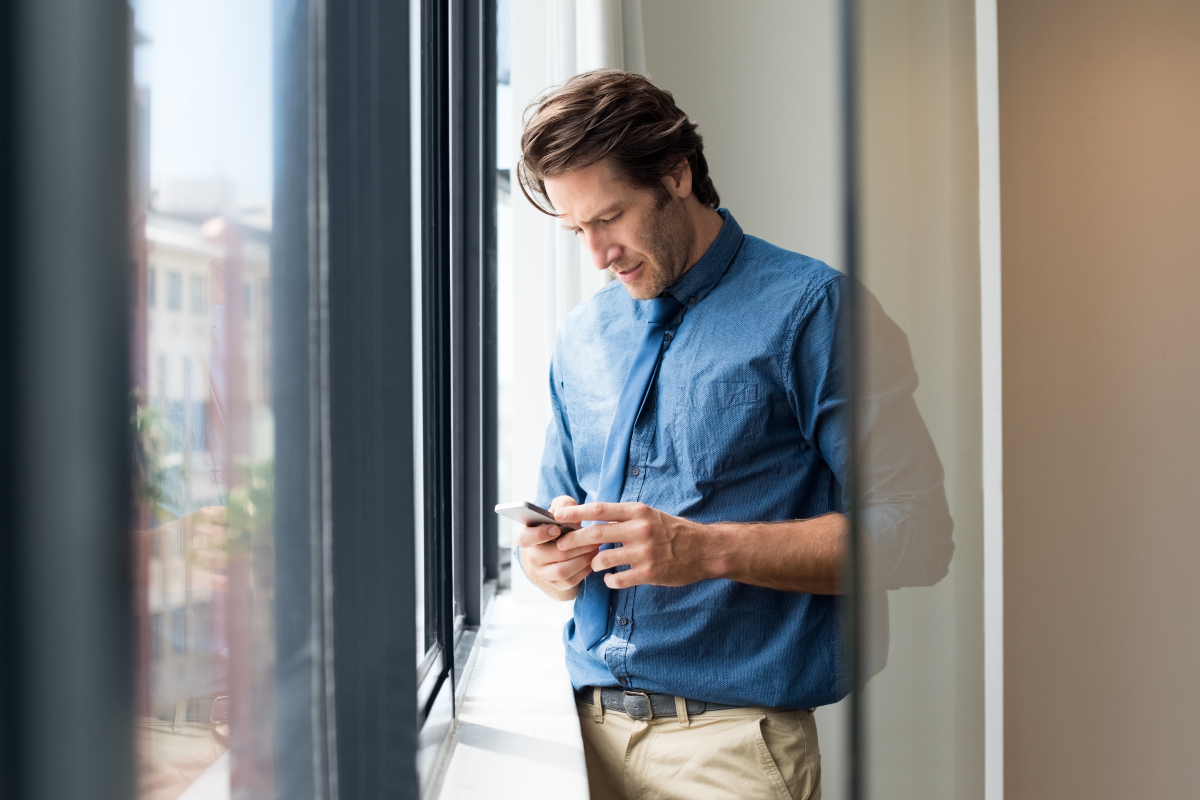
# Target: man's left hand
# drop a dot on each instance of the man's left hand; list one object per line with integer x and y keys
{"x": 660, "y": 549}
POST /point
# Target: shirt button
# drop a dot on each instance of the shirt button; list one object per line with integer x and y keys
{"x": 623, "y": 621}
{"x": 692, "y": 300}
{"x": 635, "y": 471}
{"x": 668, "y": 336}
{"x": 623, "y": 681}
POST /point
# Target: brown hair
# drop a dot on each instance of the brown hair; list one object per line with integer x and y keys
{"x": 613, "y": 114}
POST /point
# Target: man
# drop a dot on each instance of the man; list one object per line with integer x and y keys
{"x": 699, "y": 410}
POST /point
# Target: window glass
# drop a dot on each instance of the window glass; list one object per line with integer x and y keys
{"x": 505, "y": 155}
{"x": 199, "y": 294}
{"x": 920, "y": 596}
{"x": 174, "y": 291}
{"x": 202, "y": 417}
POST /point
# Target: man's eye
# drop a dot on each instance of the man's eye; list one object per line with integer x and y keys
{"x": 613, "y": 218}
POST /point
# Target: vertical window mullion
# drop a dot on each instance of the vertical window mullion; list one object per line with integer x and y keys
{"x": 436, "y": 331}
{"x": 489, "y": 528}
{"x": 457, "y": 368}
{"x": 479, "y": 379}
{"x": 368, "y": 174}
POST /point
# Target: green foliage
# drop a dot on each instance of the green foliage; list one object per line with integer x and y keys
{"x": 149, "y": 442}
{"x": 251, "y": 504}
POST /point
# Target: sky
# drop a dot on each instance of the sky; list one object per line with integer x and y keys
{"x": 208, "y": 67}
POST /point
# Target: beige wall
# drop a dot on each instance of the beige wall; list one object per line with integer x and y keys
{"x": 1100, "y": 184}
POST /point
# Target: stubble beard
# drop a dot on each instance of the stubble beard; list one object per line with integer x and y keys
{"x": 668, "y": 246}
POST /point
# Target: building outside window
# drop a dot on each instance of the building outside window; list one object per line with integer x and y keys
{"x": 202, "y": 531}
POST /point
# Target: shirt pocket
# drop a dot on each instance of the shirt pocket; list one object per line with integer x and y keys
{"x": 717, "y": 426}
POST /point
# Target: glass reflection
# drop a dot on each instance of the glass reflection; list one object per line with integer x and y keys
{"x": 201, "y": 415}
{"x": 922, "y": 722}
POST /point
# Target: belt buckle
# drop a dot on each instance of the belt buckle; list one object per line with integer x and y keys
{"x": 634, "y": 706}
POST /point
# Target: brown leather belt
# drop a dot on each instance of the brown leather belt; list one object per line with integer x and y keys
{"x": 644, "y": 705}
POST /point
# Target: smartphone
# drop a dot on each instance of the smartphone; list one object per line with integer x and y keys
{"x": 529, "y": 514}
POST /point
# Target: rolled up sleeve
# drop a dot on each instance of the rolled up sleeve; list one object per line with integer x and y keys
{"x": 902, "y": 497}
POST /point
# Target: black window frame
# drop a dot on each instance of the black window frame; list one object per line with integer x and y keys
{"x": 458, "y": 332}
{"x": 65, "y": 577}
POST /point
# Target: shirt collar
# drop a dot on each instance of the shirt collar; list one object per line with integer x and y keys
{"x": 704, "y": 274}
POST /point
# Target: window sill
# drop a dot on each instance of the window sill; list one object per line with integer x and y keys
{"x": 516, "y": 733}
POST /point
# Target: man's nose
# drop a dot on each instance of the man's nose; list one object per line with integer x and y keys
{"x": 604, "y": 253}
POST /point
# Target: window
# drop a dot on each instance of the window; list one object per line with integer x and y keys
{"x": 251, "y": 469}
{"x": 199, "y": 294}
{"x": 197, "y": 423}
{"x": 175, "y": 428}
{"x": 203, "y": 527}
{"x": 160, "y": 382}
{"x": 174, "y": 291}
{"x": 457, "y": 345}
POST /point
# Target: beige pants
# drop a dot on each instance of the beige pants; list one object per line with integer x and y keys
{"x": 743, "y": 753}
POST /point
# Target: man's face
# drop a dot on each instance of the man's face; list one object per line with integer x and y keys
{"x": 641, "y": 236}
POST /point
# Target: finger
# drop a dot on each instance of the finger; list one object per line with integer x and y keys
{"x": 544, "y": 554}
{"x": 210, "y": 531}
{"x": 562, "y": 501}
{"x": 537, "y": 534}
{"x": 217, "y": 515}
{"x": 630, "y": 577}
{"x": 561, "y": 570}
{"x": 587, "y": 550}
{"x": 574, "y": 580}
{"x": 615, "y": 557}
{"x": 594, "y": 535}
{"x": 212, "y": 559}
{"x": 600, "y": 512}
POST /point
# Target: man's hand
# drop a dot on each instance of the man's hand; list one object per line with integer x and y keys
{"x": 803, "y": 555}
{"x": 209, "y": 531}
{"x": 659, "y": 548}
{"x": 555, "y": 570}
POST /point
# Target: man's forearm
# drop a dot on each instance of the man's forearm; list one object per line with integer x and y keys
{"x": 797, "y": 556}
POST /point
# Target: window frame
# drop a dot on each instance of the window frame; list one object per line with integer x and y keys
{"x": 65, "y": 361}
{"x": 457, "y": 333}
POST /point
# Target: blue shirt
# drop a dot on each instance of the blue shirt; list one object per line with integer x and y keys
{"x": 747, "y": 422}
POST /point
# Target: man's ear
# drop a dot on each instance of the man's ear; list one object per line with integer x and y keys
{"x": 679, "y": 180}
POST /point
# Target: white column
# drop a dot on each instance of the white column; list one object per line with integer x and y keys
{"x": 987, "y": 77}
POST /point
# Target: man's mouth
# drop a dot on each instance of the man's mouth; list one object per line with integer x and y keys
{"x": 630, "y": 275}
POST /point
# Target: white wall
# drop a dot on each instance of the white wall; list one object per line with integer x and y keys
{"x": 531, "y": 330}
{"x": 759, "y": 78}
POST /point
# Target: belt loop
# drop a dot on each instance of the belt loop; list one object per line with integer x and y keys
{"x": 597, "y": 706}
{"x": 681, "y": 712}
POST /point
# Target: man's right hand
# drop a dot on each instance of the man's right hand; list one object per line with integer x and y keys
{"x": 556, "y": 572}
